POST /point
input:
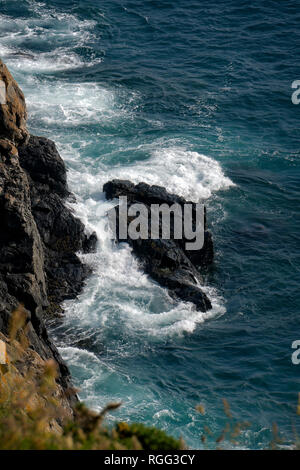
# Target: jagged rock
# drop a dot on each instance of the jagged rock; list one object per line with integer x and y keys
{"x": 39, "y": 235}
{"x": 41, "y": 160}
{"x": 166, "y": 261}
{"x": 13, "y": 114}
{"x": 22, "y": 272}
{"x": 62, "y": 234}
{"x": 7, "y": 148}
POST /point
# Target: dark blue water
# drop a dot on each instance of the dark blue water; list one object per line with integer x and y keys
{"x": 195, "y": 96}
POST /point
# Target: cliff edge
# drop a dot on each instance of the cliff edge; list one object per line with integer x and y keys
{"x": 39, "y": 235}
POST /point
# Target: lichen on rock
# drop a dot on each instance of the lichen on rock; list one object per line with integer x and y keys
{"x": 13, "y": 113}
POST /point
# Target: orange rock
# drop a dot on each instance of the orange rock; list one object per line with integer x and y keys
{"x": 13, "y": 114}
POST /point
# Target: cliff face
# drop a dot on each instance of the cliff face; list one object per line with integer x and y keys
{"x": 13, "y": 114}
{"x": 39, "y": 236}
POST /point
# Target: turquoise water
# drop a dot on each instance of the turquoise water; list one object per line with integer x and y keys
{"x": 194, "y": 96}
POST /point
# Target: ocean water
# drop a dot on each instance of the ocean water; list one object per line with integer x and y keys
{"x": 194, "y": 96}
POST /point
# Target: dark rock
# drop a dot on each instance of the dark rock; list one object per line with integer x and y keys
{"x": 62, "y": 234}
{"x": 39, "y": 235}
{"x": 40, "y": 158}
{"x": 22, "y": 274}
{"x": 167, "y": 261}
{"x": 90, "y": 243}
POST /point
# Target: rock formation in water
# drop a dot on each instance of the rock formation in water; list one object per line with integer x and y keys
{"x": 167, "y": 261}
{"x": 39, "y": 235}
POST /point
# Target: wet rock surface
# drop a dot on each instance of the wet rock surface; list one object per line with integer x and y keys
{"x": 167, "y": 261}
{"x": 62, "y": 234}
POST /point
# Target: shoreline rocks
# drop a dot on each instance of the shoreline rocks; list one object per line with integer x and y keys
{"x": 166, "y": 261}
{"x": 39, "y": 235}
{"x": 61, "y": 233}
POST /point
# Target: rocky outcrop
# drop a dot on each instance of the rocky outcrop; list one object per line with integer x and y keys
{"x": 13, "y": 114}
{"x": 61, "y": 233}
{"x": 167, "y": 261}
{"x": 39, "y": 235}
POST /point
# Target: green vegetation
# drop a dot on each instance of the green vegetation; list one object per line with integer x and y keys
{"x": 149, "y": 438}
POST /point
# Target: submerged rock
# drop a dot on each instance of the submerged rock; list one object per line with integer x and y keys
{"x": 167, "y": 261}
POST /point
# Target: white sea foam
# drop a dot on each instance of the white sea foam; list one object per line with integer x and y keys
{"x": 120, "y": 295}
{"x": 56, "y": 35}
{"x": 89, "y": 370}
{"x": 58, "y": 59}
{"x": 70, "y": 104}
{"x": 167, "y": 162}
{"x": 180, "y": 170}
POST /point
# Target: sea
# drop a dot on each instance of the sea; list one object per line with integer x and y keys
{"x": 194, "y": 96}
